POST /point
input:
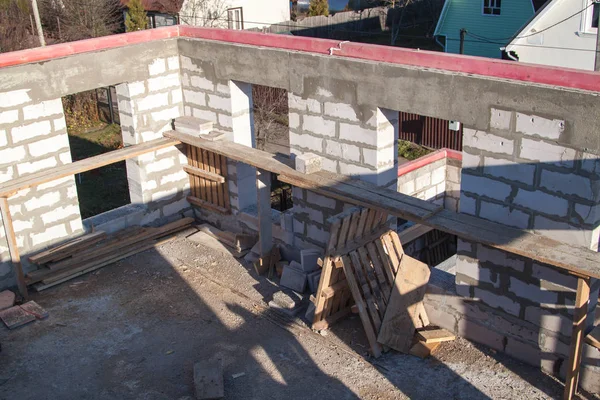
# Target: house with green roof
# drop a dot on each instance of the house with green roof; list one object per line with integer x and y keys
{"x": 490, "y": 24}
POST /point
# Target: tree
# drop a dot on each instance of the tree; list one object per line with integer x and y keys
{"x": 15, "y": 26}
{"x": 318, "y": 7}
{"x": 136, "y": 19}
{"x": 209, "y": 13}
{"x": 70, "y": 20}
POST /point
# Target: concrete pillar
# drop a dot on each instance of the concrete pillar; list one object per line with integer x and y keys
{"x": 265, "y": 225}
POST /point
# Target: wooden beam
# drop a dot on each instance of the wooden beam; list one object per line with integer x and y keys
{"x": 205, "y": 204}
{"x": 11, "y": 187}
{"x": 13, "y": 248}
{"x": 413, "y": 232}
{"x": 579, "y": 319}
{"x": 579, "y": 261}
{"x": 204, "y": 174}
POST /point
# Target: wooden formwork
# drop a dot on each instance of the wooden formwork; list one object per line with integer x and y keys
{"x": 208, "y": 179}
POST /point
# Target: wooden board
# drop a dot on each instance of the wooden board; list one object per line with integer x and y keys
{"x": 593, "y": 337}
{"x": 402, "y": 314}
{"x": 579, "y": 260}
{"x": 208, "y": 180}
{"x": 435, "y": 336}
{"x": 66, "y": 249}
{"x": 11, "y": 187}
{"x": 423, "y": 350}
{"x": 15, "y": 316}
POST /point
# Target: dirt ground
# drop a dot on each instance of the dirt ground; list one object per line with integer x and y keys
{"x": 134, "y": 329}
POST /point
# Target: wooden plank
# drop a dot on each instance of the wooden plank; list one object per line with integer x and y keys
{"x": 423, "y": 317}
{"x": 369, "y": 223}
{"x": 436, "y": 336}
{"x": 192, "y": 178}
{"x": 213, "y": 185}
{"x": 398, "y": 326}
{"x": 9, "y": 188}
{"x": 220, "y": 186}
{"x": 376, "y": 291}
{"x": 360, "y": 305}
{"x": 204, "y": 174}
{"x": 66, "y": 249}
{"x": 13, "y": 247}
{"x": 353, "y": 226}
{"x": 380, "y": 267}
{"x": 334, "y": 289}
{"x": 579, "y": 319}
{"x": 391, "y": 252}
{"x": 397, "y": 243}
{"x": 423, "y": 350}
{"x": 331, "y": 319}
{"x": 324, "y": 283}
{"x": 226, "y": 200}
{"x": 344, "y": 232}
{"x": 377, "y": 267}
{"x": 593, "y": 338}
{"x": 205, "y": 204}
{"x": 386, "y": 262}
{"x": 362, "y": 221}
{"x": 368, "y": 297}
{"x": 199, "y": 163}
{"x": 578, "y": 260}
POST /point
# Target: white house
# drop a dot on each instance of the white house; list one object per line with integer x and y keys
{"x": 570, "y": 43}
{"x": 234, "y": 14}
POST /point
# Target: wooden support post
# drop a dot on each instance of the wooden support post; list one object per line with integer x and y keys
{"x": 12, "y": 246}
{"x": 265, "y": 225}
{"x": 579, "y": 319}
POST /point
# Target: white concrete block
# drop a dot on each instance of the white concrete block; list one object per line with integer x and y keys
{"x": 163, "y": 82}
{"x": 562, "y": 231}
{"x": 3, "y": 138}
{"x": 305, "y": 105}
{"x": 60, "y": 213}
{"x": 468, "y": 205}
{"x": 486, "y": 141}
{"x": 308, "y": 163}
{"x": 76, "y": 225}
{"x": 536, "y": 125}
{"x": 378, "y": 158}
{"x": 497, "y": 301}
{"x": 320, "y": 201}
{"x": 136, "y": 88}
{"x": 567, "y": 184}
{"x": 356, "y": 170}
{"x": 438, "y": 175}
{"x": 470, "y": 161}
{"x": 53, "y": 234}
{"x": 544, "y": 273}
{"x": 11, "y": 155}
{"x": 489, "y": 255}
{"x": 219, "y": 102}
{"x": 43, "y": 109}
{"x": 14, "y": 98}
{"x": 542, "y": 202}
{"x": 422, "y": 181}
{"x": 176, "y": 96}
{"x": 503, "y": 215}
{"x": 9, "y": 117}
{"x": 22, "y": 225}
{"x": 65, "y": 158}
{"x": 354, "y": 133}
{"x": 175, "y": 177}
{"x": 157, "y": 67}
{"x": 45, "y": 200}
{"x": 35, "y": 166}
{"x": 6, "y": 174}
{"x": 547, "y": 320}
{"x": 166, "y": 115}
{"x": 204, "y": 114}
{"x": 341, "y": 110}
{"x": 173, "y": 63}
{"x": 317, "y": 234}
{"x": 176, "y": 207}
{"x": 309, "y": 142}
{"x": 29, "y": 131}
{"x": 501, "y": 168}
{"x": 473, "y": 270}
{"x": 500, "y": 119}
{"x": 407, "y": 187}
{"x": 72, "y": 192}
{"x": 56, "y": 182}
{"x": 164, "y": 194}
{"x": 485, "y": 187}
{"x": 547, "y": 153}
{"x": 152, "y": 101}
{"x": 532, "y": 292}
{"x": 201, "y": 82}
{"x": 48, "y": 146}
{"x": 294, "y": 120}
{"x": 161, "y": 165}
{"x": 318, "y": 125}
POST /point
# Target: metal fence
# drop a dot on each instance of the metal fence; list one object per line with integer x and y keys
{"x": 429, "y": 132}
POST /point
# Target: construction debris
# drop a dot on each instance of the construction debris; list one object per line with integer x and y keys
{"x": 293, "y": 277}
{"x": 423, "y": 350}
{"x": 208, "y": 380}
{"x": 313, "y": 281}
{"x": 237, "y": 243}
{"x": 435, "y": 335}
{"x": 20, "y": 315}
{"x": 89, "y": 253}
{"x": 7, "y": 299}
{"x": 287, "y": 304}
{"x": 309, "y": 260}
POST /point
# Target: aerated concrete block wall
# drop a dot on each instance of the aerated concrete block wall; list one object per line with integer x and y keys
{"x": 352, "y": 139}
{"x": 33, "y": 137}
{"x": 426, "y": 183}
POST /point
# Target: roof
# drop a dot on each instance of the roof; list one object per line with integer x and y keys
{"x": 539, "y": 13}
{"x": 162, "y": 6}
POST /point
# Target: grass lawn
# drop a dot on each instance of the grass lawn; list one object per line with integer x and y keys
{"x": 105, "y": 188}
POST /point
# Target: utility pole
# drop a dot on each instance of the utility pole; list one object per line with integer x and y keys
{"x": 38, "y": 22}
{"x": 597, "y": 58}
{"x": 463, "y": 32}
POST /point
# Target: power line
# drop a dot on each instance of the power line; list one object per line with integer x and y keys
{"x": 525, "y": 45}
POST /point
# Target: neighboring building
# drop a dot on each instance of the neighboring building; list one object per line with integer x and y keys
{"x": 484, "y": 18}
{"x": 160, "y": 12}
{"x": 234, "y": 14}
{"x": 546, "y": 40}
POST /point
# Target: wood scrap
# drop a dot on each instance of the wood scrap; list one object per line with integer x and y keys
{"x": 68, "y": 248}
{"x": 593, "y": 338}
{"x": 423, "y": 350}
{"x": 274, "y": 258}
{"x": 20, "y": 315}
{"x": 435, "y": 336}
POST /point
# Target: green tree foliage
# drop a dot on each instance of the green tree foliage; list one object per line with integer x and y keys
{"x": 318, "y": 7}
{"x": 136, "y": 19}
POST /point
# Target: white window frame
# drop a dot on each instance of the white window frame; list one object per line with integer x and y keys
{"x": 586, "y": 18}
{"x": 493, "y": 6}
{"x": 235, "y": 18}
